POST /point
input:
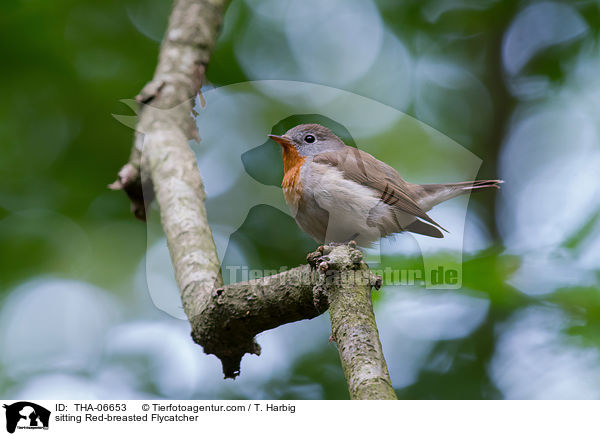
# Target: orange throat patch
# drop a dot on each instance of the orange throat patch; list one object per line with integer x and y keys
{"x": 292, "y": 163}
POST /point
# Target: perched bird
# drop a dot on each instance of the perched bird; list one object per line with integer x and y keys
{"x": 338, "y": 193}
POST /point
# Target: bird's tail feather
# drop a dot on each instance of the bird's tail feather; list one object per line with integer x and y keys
{"x": 439, "y": 192}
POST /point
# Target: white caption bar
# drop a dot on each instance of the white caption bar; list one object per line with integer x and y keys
{"x": 151, "y": 417}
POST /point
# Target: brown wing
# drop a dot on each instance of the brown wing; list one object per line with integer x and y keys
{"x": 363, "y": 168}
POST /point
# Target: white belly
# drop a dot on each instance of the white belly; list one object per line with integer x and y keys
{"x": 355, "y": 212}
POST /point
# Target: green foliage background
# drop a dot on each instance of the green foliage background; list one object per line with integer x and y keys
{"x": 66, "y": 65}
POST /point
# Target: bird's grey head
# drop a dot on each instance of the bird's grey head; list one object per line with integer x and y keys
{"x": 310, "y": 139}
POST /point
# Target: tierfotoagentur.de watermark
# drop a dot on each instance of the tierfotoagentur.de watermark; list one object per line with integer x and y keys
{"x": 390, "y": 276}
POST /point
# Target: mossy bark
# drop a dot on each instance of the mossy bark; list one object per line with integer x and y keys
{"x": 354, "y": 330}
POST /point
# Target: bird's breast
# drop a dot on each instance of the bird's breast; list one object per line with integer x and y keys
{"x": 292, "y": 187}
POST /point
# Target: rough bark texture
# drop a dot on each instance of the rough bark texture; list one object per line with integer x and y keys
{"x": 166, "y": 101}
{"x": 235, "y": 314}
{"x": 354, "y": 330}
{"x": 335, "y": 278}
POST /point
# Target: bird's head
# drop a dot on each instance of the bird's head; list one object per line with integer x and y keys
{"x": 309, "y": 139}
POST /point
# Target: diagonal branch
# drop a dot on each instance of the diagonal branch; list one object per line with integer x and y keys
{"x": 167, "y": 100}
{"x": 226, "y": 319}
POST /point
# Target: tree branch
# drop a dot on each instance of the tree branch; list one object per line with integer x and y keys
{"x": 336, "y": 278}
{"x": 167, "y": 100}
{"x": 233, "y": 315}
{"x": 354, "y": 329}
{"x": 225, "y": 319}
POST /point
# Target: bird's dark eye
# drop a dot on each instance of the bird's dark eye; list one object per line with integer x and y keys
{"x": 309, "y": 139}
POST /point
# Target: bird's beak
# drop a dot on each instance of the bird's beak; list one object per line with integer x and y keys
{"x": 285, "y": 141}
